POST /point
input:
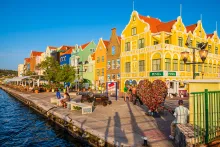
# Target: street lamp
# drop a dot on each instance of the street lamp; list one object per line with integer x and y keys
{"x": 202, "y": 52}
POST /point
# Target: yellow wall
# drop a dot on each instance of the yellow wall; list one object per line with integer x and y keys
{"x": 162, "y": 51}
{"x": 100, "y": 51}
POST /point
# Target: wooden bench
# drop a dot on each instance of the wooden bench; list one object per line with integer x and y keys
{"x": 85, "y": 108}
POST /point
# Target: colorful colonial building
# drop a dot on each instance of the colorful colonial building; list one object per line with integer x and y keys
{"x": 20, "y": 70}
{"x": 113, "y": 57}
{"x": 34, "y": 60}
{"x": 152, "y": 49}
{"x": 26, "y": 65}
{"x": 101, "y": 62}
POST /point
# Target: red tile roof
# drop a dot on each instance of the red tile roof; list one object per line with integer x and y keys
{"x": 84, "y": 45}
{"x": 209, "y": 35}
{"x": 69, "y": 51}
{"x": 106, "y": 43}
{"x": 36, "y": 53}
{"x": 166, "y": 27}
{"x": 52, "y": 47}
{"x": 27, "y": 59}
{"x": 153, "y": 22}
{"x": 191, "y": 27}
{"x": 119, "y": 39}
{"x": 65, "y": 47}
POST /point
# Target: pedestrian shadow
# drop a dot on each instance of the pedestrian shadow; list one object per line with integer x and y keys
{"x": 119, "y": 134}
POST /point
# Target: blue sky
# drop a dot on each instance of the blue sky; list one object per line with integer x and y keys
{"x": 33, "y": 24}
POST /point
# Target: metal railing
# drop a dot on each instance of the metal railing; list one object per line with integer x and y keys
{"x": 206, "y": 116}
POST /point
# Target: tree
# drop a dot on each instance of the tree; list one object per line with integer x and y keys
{"x": 66, "y": 74}
{"x": 51, "y": 68}
{"x": 29, "y": 73}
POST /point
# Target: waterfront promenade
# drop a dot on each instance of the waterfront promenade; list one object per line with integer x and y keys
{"x": 121, "y": 123}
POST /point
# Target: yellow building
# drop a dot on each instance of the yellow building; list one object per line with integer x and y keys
{"x": 101, "y": 62}
{"x": 152, "y": 49}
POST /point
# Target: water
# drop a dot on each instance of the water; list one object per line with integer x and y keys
{"x": 22, "y": 126}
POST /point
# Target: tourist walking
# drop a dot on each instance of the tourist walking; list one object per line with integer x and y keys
{"x": 181, "y": 113}
{"x": 125, "y": 92}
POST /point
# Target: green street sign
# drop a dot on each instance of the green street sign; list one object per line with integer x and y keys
{"x": 196, "y": 74}
{"x": 152, "y": 74}
{"x": 171, "y": 73}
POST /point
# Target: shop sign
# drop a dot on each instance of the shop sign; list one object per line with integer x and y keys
{"x": 171, "y": 73}
{"x": 152, "y": 74}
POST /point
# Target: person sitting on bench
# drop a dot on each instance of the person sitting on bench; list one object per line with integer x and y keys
{"x": 66, "y": 98}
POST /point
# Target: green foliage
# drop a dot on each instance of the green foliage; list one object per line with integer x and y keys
{"x": 8, "y": 73}
{"x": 29, "y": 73}
{"x": 66, "y": 74}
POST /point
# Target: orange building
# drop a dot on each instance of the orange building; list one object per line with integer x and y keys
{"x": 35, "y": 55}
{"x": 101, "y": 62}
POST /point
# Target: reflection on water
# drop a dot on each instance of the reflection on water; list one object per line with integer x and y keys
{"x": 21, "y": 126}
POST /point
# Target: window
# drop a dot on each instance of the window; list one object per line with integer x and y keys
{"x": 188, "y": 67}
{"x": 156, "y": 64}
{"x": 214, "y": 68}
{"x": 102, "y": 71}
{"x": 92, "y": 50}
{"x": 167, "y": 42}
{"x": 113, "y": 64}
{"x": 141, "y": 65}
{"x": 127, "y": 67}
{"x": 209, "y": 48}
{"x": 210, "y": 68}
{"x": 167, "y": 64}
{"x": 127, "y": 46}
{"x": 118, "y": 76}
{"x": 216, "y": 50}
{"x": 108, "y": 77}
{"x": 98, "y": 60}
{"x": 118, "y": 64}
{"x": 175, "y": 64}
{"x": 155, "y": 42}
{"x": 102, "y": 58}
{"x": 180, "y": 41}
{"x": 113, "y": 76}
{"x": 113, "y": 50}
{"x": 134, "y": 31}
{"x": 109, "y": 64}
{"x": 182, "y": 68}
{"x": 199, "y": 68}
{"x": 98, "y": 72}
{"x": 141, "y": 43}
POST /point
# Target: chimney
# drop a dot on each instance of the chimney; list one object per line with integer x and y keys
{"x": 113, "y": 30}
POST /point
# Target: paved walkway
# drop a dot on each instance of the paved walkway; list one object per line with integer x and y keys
{"x": 121, "y": 122}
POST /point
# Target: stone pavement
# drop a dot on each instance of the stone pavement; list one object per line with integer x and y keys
{"x": 121, "y": 123}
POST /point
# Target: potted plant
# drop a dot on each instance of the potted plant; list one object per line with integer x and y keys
{"x": 36, "y": 89}
{"x": 48, "y": 87}
{"x": 53, "y": 88}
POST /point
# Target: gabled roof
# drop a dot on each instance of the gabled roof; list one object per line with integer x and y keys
{"x": 191, "y": 28}
{"x": 166, "y": 27}
{"x": 106, "y": 43}
{"x": 153, "y": 22}
{"x": 69, "y": 51}
{"x": 52, "y": 47}
{"x": 65, "y": 47}
{"x": 119, "y": 39}
{"x": 84, "y": 45}
{"x": 27, "y": 59}
{"x": 36, "y": 53}
{"x": 210, "y": 35}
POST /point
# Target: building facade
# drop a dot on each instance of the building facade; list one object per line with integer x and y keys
{"x": 101, "y": 62}
{"x": 20, "y": 70}
{"x": 34, "y": 60}
{"x": 152, "y": 49}
{"x": 65, "y": 57}
{"x": 26, "y": 65}
{"x": 113, "y": 57}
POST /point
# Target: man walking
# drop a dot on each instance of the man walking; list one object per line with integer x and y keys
{"x": 181, "y": 113}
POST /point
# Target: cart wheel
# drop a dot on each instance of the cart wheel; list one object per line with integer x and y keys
{"x": 104, "y": 104}
{"x": 109, "y": 102}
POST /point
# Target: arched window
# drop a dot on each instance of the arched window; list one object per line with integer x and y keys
{"x": 156, "y": 62}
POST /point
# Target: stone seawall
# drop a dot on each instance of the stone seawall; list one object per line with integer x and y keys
{"x": 52, "y": 112}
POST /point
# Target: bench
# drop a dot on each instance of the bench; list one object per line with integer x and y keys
{"x": 85, "y": 108}
{"x": 54, "y": 101}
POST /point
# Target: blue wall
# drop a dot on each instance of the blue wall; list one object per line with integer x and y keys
{"x": 64, "y": 59}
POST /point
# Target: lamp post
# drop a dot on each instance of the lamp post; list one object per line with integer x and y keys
{"x": 202, "y": 52}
